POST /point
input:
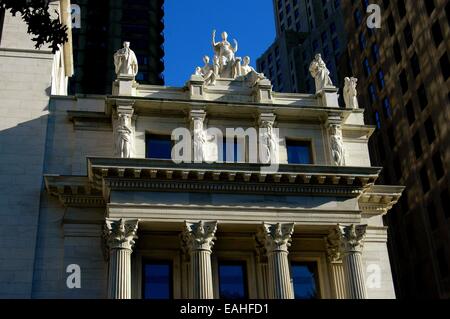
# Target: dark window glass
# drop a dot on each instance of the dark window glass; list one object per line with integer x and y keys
{"x": 232, "y": 152}
{"x": 445, "y": 202}
{"x": 437, "y": 165}
{"x": 377, "y": 120}
{"x": 407, "y": 33}
{"x": 358, "y": 17}
{"x": 391, "y": 25}
{"x": 362, "y": 41}
{"x": 366, "y": 66}
{"x": 375, "y": 53}
{"x": 422, "y": 95}
{"x": 158, "y": 146}
{"x": 429, "y": 128}
{"x": 380, "y": 79}
{"x": 442, "y": 262}
{"x": 415, "y": 66}
{"x": 387, "y": 108}
{"x": 417, "y": 145}
{"x": 157, "y": 280}
{"x": 305, "y": 277}
{"x": 372, "y": 93}
{"x": 404, "y": 82}
{"x": 410, "y": 112}
{"x": 232, "y": 280}
{"x": 398, "y": 167}
{"x": 299, "y": 152}
{"x": 401, "y": 8}
{"x": 397, "y": 52}
{"x": 445, "y": 66}
{"x": 424, "y": 180}
{"x": 429, "y": 5}
{"x": 432, "y": 216}
{"x": 437, "y": 33}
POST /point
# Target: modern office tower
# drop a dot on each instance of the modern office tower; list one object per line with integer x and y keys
{"x": 105, "y": 24}
{"x": 303, "y": 28}
{"x": 403, "y": 70}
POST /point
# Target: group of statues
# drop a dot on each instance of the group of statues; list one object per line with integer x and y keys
{"x": 226, "y": 64}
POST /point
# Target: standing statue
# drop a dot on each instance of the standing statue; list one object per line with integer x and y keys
{"x": 208, "y": 71}
{"x": 125, "y": 61}
{"x": 337, "y": 145}
{"x": 350, "y": 93}
{"x": 268, "y": 143}
{"x": 124, "y": 136}
{"x": 199, "y": 141}
{"x": 320, "y": 73}
{"x": 228, "y": 63}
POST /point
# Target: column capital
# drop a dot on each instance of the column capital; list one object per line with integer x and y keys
{"x": 332, "y": 244}
{"x": 352, "y": 238}
{"x": 120, "y": 233}
{"x": 199, "y": 235}
{"x": 276, "y": 237}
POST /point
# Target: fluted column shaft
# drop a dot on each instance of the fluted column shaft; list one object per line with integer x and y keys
{"x": 199, "y": 239}
{"x": 338, "y": 280}
{"x": 120, "y": 237}
{"x": 276, "y": 238}
{"x": 351, "y": 249}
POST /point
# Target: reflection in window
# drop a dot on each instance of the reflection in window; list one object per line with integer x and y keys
{"x": 305, "y": 277}
{"x": 232, "y": 151}
{"x": 158, "y": 146}
{"x": 157, "y": 280}
{"x": 299, "y": 152}
{"x": 232, "y": 278}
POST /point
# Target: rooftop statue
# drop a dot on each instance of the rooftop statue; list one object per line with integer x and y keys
{"x": 125, "y": 61}
{"x": 320, "y": 73}
{"x": 351, "y": 93}
{"x": 226, "y": 64}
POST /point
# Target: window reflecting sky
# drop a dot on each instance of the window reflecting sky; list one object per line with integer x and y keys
{"x": 232, "y": 281}
{"x": 305, "y": 284}
{"x": 158, "y": 146}
{"x": 299, "y": 152}
{"x": 158, "y": 281}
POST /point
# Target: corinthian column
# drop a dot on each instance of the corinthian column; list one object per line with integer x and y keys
{"x": 120, "y": 236}
{"x": 336, "y": 269}
{"x": 351, "y": 242}
{"x": 199, "y": 239}
{"x": 276, "y": 239}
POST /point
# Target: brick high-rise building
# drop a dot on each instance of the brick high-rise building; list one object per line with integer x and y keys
{"x": 105, "y": 24}
{"x": 403, "y": 70}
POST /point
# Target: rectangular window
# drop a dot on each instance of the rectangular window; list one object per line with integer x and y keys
{"x": 366, "y": 66}
{"x": 429, "y": 129}
{"x": 424, "y": 180}
{"x": 417, "y": 145}
{"x": 299, "y": 152}
{"x": 157, "y": 280}
{"x": 415, "y": 66}
{"x": 158, "y": 146}
{"x": 410, "y": 113}
{"x": 437, "y": 165}
{"x": 437, "y": 33}
{"x": 305, "y": 278}
{"x": 404, "y": 82}
{"x": 232, "y": 280}
{"x": 445, "y": 66}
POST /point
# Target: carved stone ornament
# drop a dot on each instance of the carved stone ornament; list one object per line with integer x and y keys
{"x": 332, "y": 243}
{"x": 337, "y": 145}
{"x": 199, "y": 236}
{"x": 225, "y": 64}
{"x": 351, "y": 93}
{"x": 124, "y": 136}
{"x": 320, "y": 73}
{"x": 120, "y": 234}
{"x": 125, "y": 61}
{"x": 352, "y": 238}
{"x": 276, "y": 237}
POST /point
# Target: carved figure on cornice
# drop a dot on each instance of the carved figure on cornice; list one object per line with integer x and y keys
{"x": 124, "y": 136}
{"x": 268, "y": 143}
{"x": 229, "y": 64}
{"x": 351, "y": 93}
{"x": 320, "y": 73}
{"x": 337, "y": 145}
{"x": 125, "y": 61}
{"x": 249, "y": 72}
{"x": 209, "y": 71}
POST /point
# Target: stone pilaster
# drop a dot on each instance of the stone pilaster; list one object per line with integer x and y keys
{"x": 199, "y": 239}
{"x": 335, "y": 266}
{"x": 120, "y": 236}
{"x": 276, "y": 239}
{"x": 351, "y": 244}
{"x": 262, "y": 274}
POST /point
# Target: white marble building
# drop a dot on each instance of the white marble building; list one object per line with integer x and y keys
{"x": 139, "y": 225}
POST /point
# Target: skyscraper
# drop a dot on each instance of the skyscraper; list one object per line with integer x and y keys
{"x": 403, "y": 70}
{"x": 105, "y": 24}
{"x": 303, "y": 28}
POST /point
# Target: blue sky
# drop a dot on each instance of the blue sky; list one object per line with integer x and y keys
{"x": 188, "y": 27}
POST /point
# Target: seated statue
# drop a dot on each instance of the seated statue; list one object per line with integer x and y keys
{"x": 208, "y": 71}
{"x": 320, "y": 73}
{"x": 249, "y": 72}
